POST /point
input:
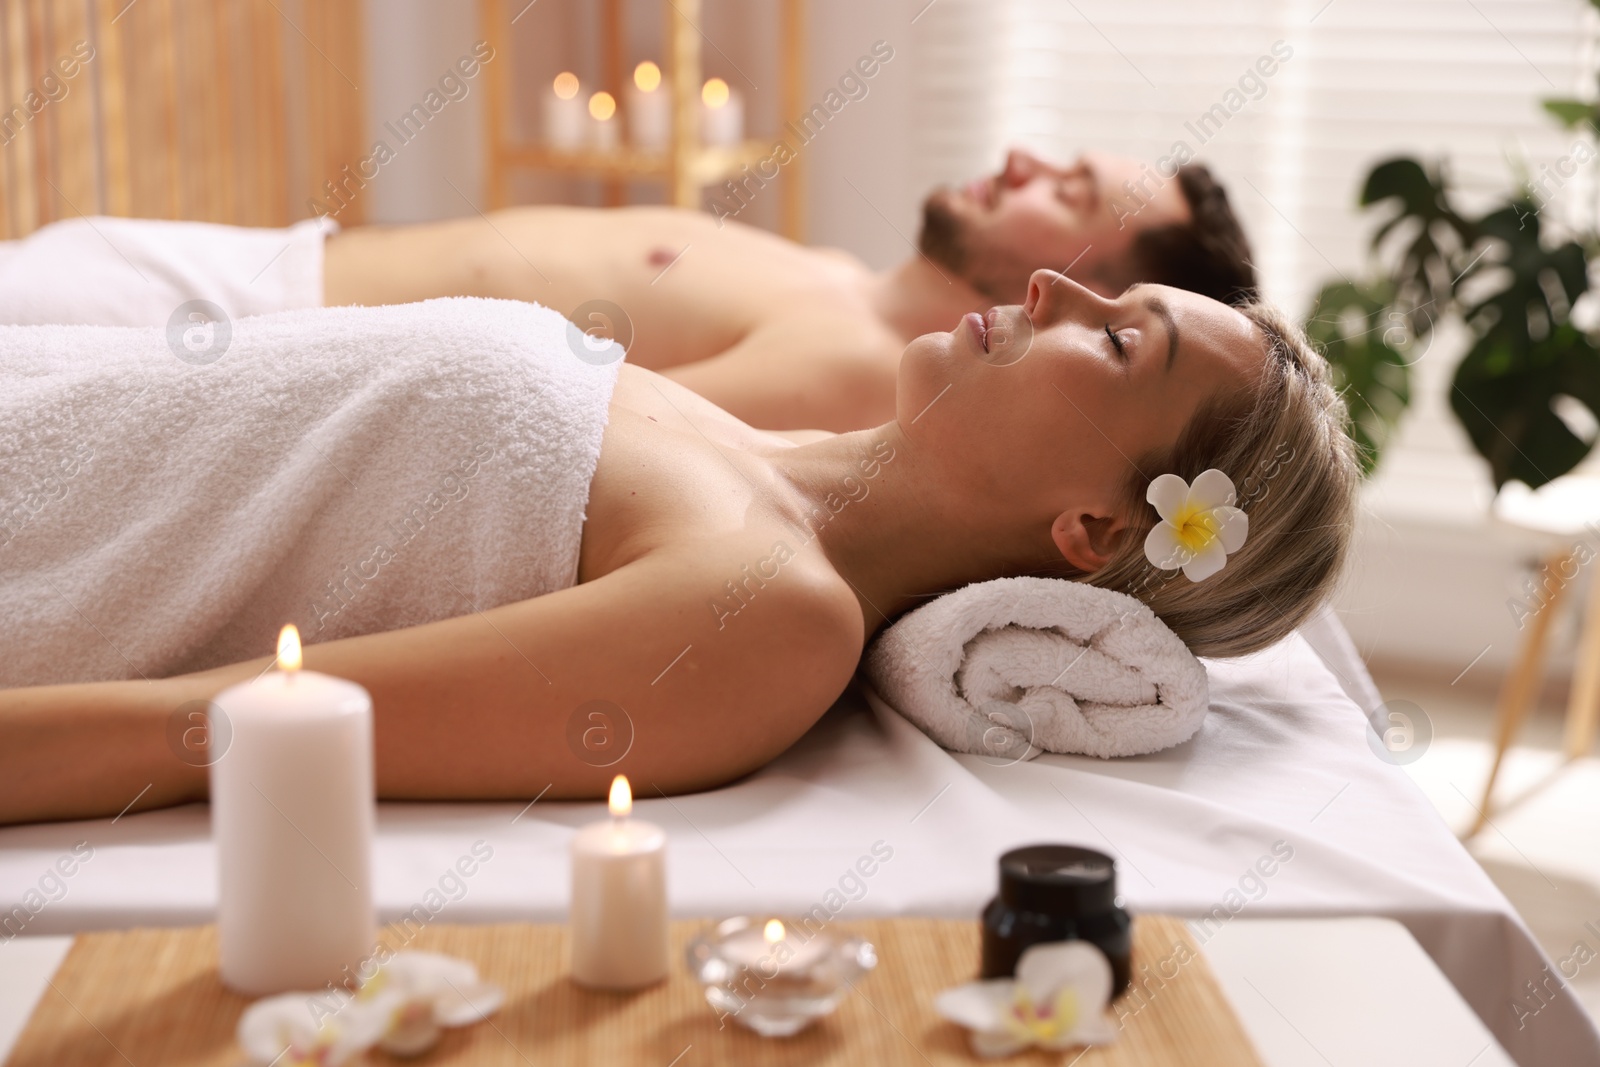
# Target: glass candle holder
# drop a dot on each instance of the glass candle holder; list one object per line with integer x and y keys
{"x": 773, "y": 977}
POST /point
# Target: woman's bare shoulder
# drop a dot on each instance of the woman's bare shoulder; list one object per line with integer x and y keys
{"x": 775, "y": 590}
{"x": 746, "y": 643}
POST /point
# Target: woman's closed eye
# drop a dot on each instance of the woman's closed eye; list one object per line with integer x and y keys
{"x": 1116, "y": 342}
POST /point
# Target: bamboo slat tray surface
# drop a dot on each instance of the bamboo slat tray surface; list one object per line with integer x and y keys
{"x": 151, "y": 998}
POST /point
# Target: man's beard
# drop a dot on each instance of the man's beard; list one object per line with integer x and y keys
{"x": 941, "y": 236}
{"x": 946, "y": 239}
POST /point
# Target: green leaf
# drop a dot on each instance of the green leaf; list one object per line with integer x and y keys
{"x": 1432, "y": 237}
{"x": 1405, "y": 181}
{"x": 1502, "y": 394}
{"x": 1573, "y": 113}
{"x": 1365, "y": 341}
{"x": 1521, "y": 309}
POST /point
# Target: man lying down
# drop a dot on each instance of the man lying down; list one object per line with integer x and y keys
{"x": 779, "y": 335}
{"x": 489, "y": 532}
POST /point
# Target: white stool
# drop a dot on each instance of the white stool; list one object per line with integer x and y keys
{"x": 1567, "y": 509}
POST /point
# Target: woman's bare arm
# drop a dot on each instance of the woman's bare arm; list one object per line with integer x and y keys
{"x": 478, "y": 707}
{"x": 79, "y": 751}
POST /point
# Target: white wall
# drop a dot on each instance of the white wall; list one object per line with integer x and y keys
{"x": 409, "y": 45}
{"x": 860, "y": 195}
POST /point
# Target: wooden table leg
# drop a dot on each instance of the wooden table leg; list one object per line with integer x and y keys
{"x": 1583, "y": 707}
{"x": 1522, "y": 684}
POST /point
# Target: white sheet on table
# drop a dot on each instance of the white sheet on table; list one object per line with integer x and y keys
{"x": 1282, "y": 756}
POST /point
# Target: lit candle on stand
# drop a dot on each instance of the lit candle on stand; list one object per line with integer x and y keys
{"x": 618, "y": 923}
{"x": 774, "y": 979}
{"x": 769, "y": 950}
{"x": 292, "y": 814}
{"x": 721, "y": 114}
{"x": 603, "y": 110}
{"x": 649, "y": 109}
{"x": 564, "y": 120}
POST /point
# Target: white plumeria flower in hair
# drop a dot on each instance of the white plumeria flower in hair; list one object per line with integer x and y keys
{"x": 286, "y": 1031}
{"x": 417, "y": 993}
{"x": 1199, "y": 525}
{"x": 1057, "y": 1000}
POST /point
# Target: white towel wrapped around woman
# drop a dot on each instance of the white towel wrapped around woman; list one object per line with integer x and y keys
{"x": 172, "y": 498}
{"x": 1017, "y": 666}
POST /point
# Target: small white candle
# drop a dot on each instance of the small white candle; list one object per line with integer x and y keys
{"x": 618, "y": 923}
{"x": 292, "y": 815}
{"x": 603, "y": 112}
{"x": 772, "y": 949}
{"x": 649, "y": 109}
{"x": 564, "y": 121}
{"x": 721, "y": 114}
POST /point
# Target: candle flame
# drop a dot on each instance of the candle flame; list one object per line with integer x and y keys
{"x": 621, "y": 797}
{"x": 714, "y": 92}
{"x": 566, "y": 85}
{"x": 602, "y": 106}
{"x": 289, "y": 648}
{"x": 647, "y": 76}
{"x": 773, "y": 932}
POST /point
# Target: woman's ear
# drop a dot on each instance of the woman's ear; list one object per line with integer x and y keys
{"x": 1087, "y": 541}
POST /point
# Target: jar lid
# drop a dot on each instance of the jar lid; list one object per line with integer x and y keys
{"x": 1058, "y": 880}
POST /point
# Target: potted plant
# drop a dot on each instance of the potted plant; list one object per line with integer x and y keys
{"x": 1528, "y": 362}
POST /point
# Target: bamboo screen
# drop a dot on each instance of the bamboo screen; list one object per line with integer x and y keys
{"x": 234, "y": 111}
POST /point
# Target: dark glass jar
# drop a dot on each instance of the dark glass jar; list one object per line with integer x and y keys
{"x": 1056, "y": 893}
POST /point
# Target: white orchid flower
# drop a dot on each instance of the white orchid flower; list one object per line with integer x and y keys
{"x": 285, "y": 1031}
{"x": 418, "y": 993}
{"x": 401, "y": 1008}
{"x": 1199, "y": 525}
{"x": 1057, "y": 1000}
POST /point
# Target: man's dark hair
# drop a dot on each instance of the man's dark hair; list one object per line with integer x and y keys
{"x": 1209, "y": 254}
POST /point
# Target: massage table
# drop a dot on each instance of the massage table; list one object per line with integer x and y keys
{"x": 1282, "y": 765}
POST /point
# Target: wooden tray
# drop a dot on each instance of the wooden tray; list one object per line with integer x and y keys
{"x": 151, "y": 998}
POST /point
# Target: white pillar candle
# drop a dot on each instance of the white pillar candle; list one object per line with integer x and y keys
{"x": 565, "y": 123}
{"x": 649, "y": 110}
{"x": 292, "y": 814}
{"x": 618, "y": 925}
{"x": 721, "y": 114}
{"x": 603, "y": 127}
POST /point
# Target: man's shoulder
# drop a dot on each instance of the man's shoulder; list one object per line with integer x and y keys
{"x": 836, "y": 328}
{"x": 839, "y": 256}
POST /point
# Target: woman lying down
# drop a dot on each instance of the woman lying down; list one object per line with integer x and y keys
{"x": 488, "y": 521}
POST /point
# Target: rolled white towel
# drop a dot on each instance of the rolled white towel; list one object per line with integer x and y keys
{"x": 1018, "y": 666}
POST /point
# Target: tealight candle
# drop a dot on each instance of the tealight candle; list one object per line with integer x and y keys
{"x": 771, "y": 952}
{"x": 774, "y": 979}
{"x": 603, "y": 110}
{"x": 649, "y": 109}
{"x": 292, "y": 815}
{"x": 721, "y": 114}
{"x": 618, "y": 922}
{"x": 564, "y": 121}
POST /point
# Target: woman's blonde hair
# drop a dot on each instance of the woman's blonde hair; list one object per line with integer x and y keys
{"x": 1293, "y": 464}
